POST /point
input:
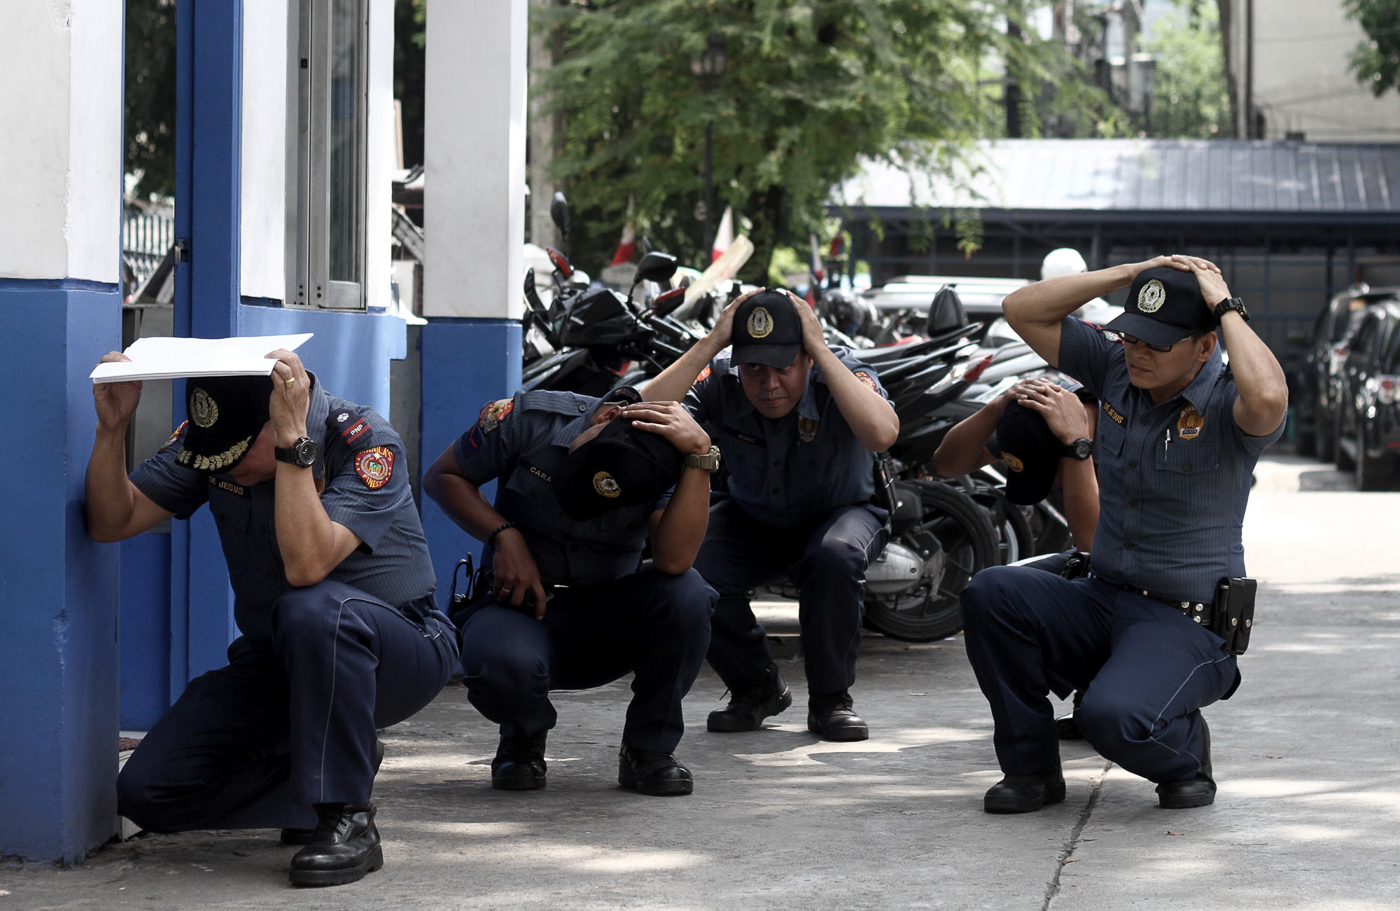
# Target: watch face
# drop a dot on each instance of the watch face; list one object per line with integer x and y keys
{"x": 1082, "y": 449}
{"x": 305, "y": 451}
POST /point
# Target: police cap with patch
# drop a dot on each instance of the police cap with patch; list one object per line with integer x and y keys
{"x": 767, "y": 330}
{"x": 1031, "y": 453}
{"x": 226, "y": 415}
{"x": 621, "y": 466}
{"x": 1164, "y": 306}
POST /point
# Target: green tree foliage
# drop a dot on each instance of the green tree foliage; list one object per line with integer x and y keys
{"x": 1376, "y": 61}
{"x": 811, "y": 86}
{"x": 1191, "y": 100}
{"x": 150, "y": 96}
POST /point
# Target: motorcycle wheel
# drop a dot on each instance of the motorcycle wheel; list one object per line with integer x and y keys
{"x": 931, "y": 610}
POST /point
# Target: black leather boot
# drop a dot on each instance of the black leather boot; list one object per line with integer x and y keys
{"x": 519, "y": 764}
{"x": 833, "y": 717}
{"x": 650, "y": 772}
{"x": 1025, "y": 793}
{"x": 747, "y": 710}
{"x": 1193, "y": 792}
{"x": 344, "y": 847}
{"x": 303, "y": 836}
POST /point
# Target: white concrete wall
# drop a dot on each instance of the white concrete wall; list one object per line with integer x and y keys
{"x": 267, "y": 53}
{"x": 1301, "y": 80}
{"x": 474, "y": 190}
{"x": 60, "y": 148}
{"x": 380, "y": 160}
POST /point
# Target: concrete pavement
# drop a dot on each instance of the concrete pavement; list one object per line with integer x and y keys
{"x": 1306, "y": 756}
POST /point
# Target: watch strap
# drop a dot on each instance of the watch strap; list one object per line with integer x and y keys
{"x": 1228, "y": 304}
{"x": 709, "y": 461}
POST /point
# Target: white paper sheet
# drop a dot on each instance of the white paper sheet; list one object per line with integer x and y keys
{"x": 170, "y": 358}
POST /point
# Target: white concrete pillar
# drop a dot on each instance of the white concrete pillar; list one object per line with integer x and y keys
{"x": 474, "y": 181}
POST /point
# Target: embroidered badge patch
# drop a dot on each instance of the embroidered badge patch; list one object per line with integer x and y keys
{"x": 351, "y": 426}
{"x": 704, "y": 375}
{"x": 474, "y": 438}
{"x": 1012, "y": 462}
{"x": 204, "y": 411}
{"x": 760, "y": 323}
{"x": 1108, "y": 410}
{"x": 174, "y": 437}
{"x": 1151, "y": 296}
{"x": 807, "y": 429}
{"x": 492, "y": 415}
{"x": 1189, "y": 423}
{"x": 375, "y": 466}
{"x": 606, "y": 485}
{"x": 865, "y": 377}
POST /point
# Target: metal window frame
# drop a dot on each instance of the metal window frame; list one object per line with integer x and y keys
{"x": 312, "y": 286}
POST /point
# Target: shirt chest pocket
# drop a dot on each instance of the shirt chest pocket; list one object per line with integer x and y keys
{"x": 231, "y": 511}
{"x": 1188, "y": 457}
{"x": 1110, "y": 438}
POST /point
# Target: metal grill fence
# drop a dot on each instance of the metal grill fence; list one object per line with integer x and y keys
{"x": 146, "y": 236}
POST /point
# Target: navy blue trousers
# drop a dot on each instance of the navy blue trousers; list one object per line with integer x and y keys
{"x": 290, "y": 722}
{"x": 1145, "y": 670}
{"x": 650, "y": 624}
{"x": 827, "y": 560}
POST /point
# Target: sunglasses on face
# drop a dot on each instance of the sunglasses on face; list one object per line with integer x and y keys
{"x": 1133, "y": 340}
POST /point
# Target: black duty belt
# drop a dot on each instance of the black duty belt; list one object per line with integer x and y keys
{"x": 1200, "y": 611}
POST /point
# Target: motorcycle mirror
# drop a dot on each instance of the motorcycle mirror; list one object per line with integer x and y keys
{"x": 666, "y": 304}
{"x": 656, "y": 267}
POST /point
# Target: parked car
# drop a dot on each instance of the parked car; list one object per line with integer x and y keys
{"x": 1316, "y": 387}
{"x": 1368, "y": 414}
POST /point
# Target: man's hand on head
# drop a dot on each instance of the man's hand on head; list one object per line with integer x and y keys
{"x": 671, "y": 421}
{"x": 291, "y": 397}
{"x": 1208, "y": 275}
{"x": 723, "y": 332}
{"x": 813, "y": 337}
{"x": 1062, "y": 410}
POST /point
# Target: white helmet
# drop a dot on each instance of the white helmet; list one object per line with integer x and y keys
{"x": 1062, "y": 261}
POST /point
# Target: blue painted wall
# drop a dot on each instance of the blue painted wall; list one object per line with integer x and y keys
{"x": 58, "y": 620}
{"x": 466, "y": 363}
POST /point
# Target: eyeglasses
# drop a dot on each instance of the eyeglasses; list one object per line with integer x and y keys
{"x": 1132, "y": 340}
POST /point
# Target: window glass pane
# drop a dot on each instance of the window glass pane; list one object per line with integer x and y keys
{"x": 346, "y": 112}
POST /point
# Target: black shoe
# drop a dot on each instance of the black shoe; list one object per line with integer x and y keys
{"x": 1193, "y": 792}
{"x": 1025, "y": 793}
{"x": 746, "y": 711}
{"x": 343, "y": 849}
{"x": 833, "y": 718}
{"x": 303, "y": 836}
{"x": 650, "y": 772}
{"x": 519, "y": 764}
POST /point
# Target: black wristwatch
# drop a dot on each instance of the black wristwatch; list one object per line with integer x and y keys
{"x": 302, "y": 453}
{"x": 1228, "y": 304}
{"x": 1080, "y": 449}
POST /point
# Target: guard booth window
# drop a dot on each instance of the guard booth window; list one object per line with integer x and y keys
{"x": 331, "y": 101}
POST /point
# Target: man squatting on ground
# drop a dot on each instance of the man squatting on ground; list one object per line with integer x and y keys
{"x": 581, "y": 483}
{"x": 333, "y": 594}
{"x": 1178, "y": 438}
{"x": 798, "y": 423}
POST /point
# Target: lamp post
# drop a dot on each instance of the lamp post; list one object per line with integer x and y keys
{"x": 707, "y": 67}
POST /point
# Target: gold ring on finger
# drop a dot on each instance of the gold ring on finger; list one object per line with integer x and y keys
{"x": 291, "y": 381}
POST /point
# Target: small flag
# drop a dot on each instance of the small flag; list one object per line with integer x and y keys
{"x": 628, "y": 245}
{"x": 817, "y": 272}
{"x": 724, "y": 237}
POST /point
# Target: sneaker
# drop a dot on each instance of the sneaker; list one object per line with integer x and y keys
{"x": 519, "y": 764}
{"x": 833, "y": 717}
{"x": 747, "y": 710}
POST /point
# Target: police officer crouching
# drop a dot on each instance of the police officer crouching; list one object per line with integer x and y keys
{"x": 333, "y": 591}
{"x": 799, "y": 423}
{"x": 581, "y": 484}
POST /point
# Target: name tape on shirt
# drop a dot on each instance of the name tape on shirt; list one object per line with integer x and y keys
{"x": 375, "y": 466}
{"x": 1108, "y": 410}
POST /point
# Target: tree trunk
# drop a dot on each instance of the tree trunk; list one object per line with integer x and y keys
{"x": 765, "y": 211}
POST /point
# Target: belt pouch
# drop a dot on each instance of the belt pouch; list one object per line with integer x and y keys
{"x": 1234, "y": 612}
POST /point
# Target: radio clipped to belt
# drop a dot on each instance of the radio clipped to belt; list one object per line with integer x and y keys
{"x": 1234, "y": 612}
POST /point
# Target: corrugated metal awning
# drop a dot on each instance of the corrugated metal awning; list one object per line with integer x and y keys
{"x": 1120, "y": 176}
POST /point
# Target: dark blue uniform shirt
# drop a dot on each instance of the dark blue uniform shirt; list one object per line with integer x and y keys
{"x": 522, "y": 442}
{"x": 364, "y": 479}
{"x": 1173, "y": 478}
{"x": 797, "y": 469}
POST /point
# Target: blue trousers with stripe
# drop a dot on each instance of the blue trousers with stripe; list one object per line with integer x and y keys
{"x": 1145, "y": 669}
{"x": 289, "y": 722}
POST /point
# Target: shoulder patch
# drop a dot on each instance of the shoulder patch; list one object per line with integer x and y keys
{"x": 865, "y": 377}
{"x": 174, "y": 437}
{"x": 704, "y": 375}
{"x": 493, "y": 413}
{"x": 375, "y": 466}
{"x": 352, "y": 427}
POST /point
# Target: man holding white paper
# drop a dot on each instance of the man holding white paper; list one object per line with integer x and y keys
{"x": 333, "y": 595}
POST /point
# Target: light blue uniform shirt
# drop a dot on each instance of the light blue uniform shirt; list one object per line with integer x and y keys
{"x": 1173, "y": 478}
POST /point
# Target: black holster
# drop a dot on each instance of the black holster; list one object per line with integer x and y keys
{"x": 1234, "y": 612}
